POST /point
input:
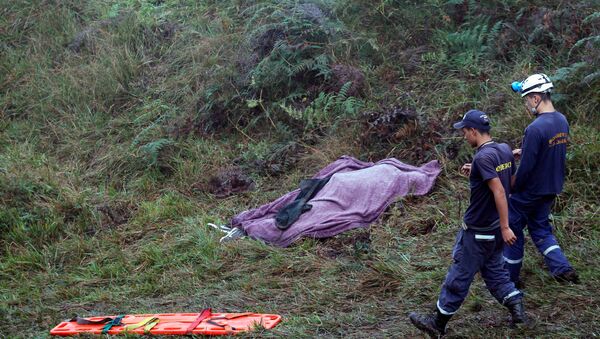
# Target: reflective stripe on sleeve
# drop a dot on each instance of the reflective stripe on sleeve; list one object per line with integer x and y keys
{"x": 514, "y": 262}
{"x": 551, "y": 248}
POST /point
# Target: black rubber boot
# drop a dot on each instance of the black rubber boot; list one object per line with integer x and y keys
{"x": 517, "y": 311}
{"x": 568, "y": 276}
{"x": 434, "y": 325}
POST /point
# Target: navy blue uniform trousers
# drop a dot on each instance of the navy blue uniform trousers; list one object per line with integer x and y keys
{"x": 533, "y": 212}
{"x": 476, "y": 251}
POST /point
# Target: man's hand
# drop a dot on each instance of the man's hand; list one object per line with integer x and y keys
{"x": 465, "y": 170}
{"x": 508, "y": 236}
{"x": 517, "y": 153}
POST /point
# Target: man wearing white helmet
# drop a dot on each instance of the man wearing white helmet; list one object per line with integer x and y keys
{"x": 538, "y": 180}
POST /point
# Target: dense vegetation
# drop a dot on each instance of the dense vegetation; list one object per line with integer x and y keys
{"x": 120, "y": 119}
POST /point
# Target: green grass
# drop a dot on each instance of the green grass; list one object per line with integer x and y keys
{"x": 104, "y": 151}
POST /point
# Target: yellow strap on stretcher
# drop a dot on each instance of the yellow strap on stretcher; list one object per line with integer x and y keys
{"x": 148, "y": 323}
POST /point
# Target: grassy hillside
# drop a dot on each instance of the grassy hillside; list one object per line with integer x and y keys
{"x": 122, "y": 120}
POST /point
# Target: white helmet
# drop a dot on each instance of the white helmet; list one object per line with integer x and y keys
{"x": 537, "y": 83}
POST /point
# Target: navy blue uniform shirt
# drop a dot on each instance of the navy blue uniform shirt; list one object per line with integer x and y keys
{"x": 492, "y": 160}
{"x": 542, "y": 167}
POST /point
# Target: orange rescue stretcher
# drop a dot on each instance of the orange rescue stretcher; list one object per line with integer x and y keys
{"x": 203, "y": 323}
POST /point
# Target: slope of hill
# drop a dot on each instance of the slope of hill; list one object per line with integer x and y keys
{"x": 122, "y": 121}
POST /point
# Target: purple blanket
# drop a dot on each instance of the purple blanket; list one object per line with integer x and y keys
{"x": 354, "y": 197}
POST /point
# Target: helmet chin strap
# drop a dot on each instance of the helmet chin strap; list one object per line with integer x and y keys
{"x": 534, "y": 110}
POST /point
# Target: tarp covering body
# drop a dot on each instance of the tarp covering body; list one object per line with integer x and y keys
{"x": 355, "y": 196}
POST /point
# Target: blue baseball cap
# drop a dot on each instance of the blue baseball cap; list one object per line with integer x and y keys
{"x": 474, "y": 119}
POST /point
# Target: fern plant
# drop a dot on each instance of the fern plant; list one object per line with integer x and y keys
{"x": 579, "y": 82}
{"x": 151, "y": 139}
{"x": 326, "y": 109}
{"x": 150, "y": 121}
{"x": 469, "y": 46}
{"x": 153, "y": 149}
{"x": 290, "y": 39}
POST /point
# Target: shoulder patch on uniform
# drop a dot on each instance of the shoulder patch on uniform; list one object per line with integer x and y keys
{"x": 503, "y": 166}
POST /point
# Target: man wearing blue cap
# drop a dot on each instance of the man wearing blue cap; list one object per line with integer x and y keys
{"x": 484, "y": 230}
{"x": 539, "y": 179}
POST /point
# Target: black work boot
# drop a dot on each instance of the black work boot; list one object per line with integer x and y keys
{"x": 568, "y": 276}
{"x": 517, "y": 311}
{"x": 434, "y": 325}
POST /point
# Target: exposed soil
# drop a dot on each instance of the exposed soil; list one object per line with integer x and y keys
{"x": 227, "y": 182}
